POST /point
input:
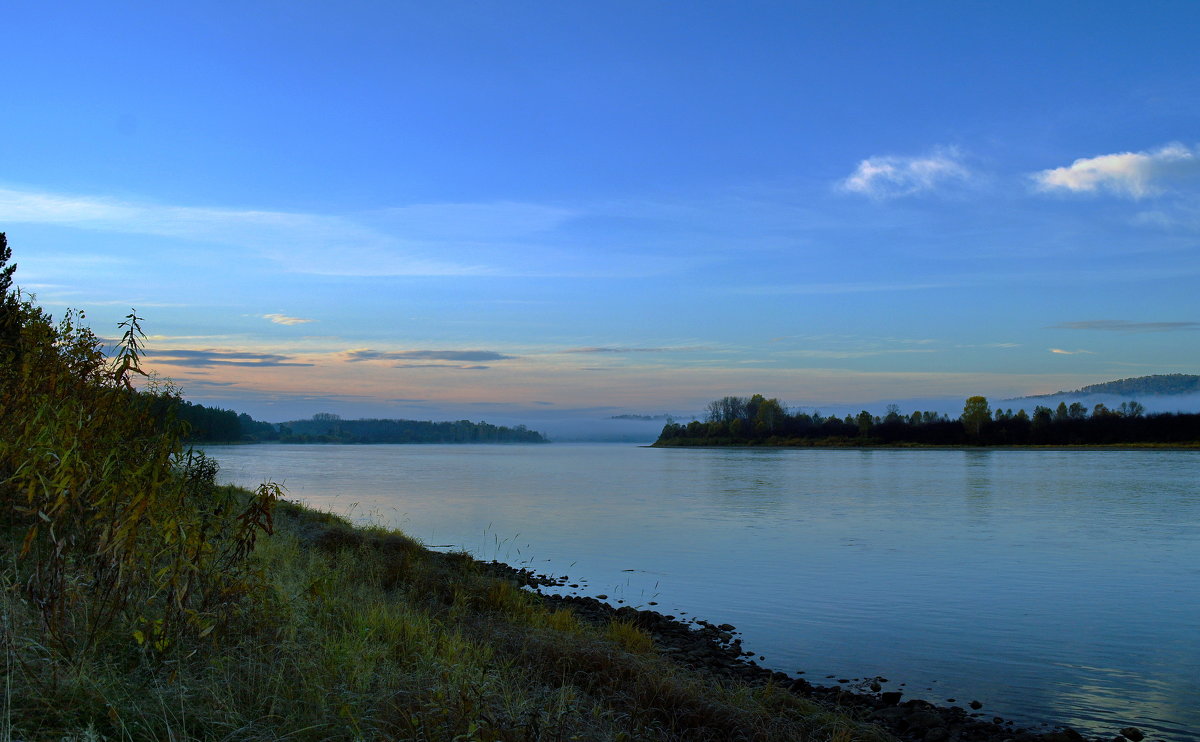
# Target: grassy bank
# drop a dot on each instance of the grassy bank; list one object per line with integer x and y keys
{"x": 364, "y": 634}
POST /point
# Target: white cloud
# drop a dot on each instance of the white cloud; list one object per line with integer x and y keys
{"x": 891, "y": 176}
{"x": 1061, "y": 352}
{"x": 1132, "y": 174}
{"x": 283, "y": 319}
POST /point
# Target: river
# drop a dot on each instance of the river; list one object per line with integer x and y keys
{"x": 1058, "y": 586}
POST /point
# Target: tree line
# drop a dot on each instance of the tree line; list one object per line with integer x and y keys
{"x": 217, "y": 425}
{"x": 329, "y": 428}
{"x": 756, "y": 420}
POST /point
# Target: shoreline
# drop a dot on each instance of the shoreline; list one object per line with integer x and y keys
{"x": 716, "y": 650}
{"x": 931, "y": 447}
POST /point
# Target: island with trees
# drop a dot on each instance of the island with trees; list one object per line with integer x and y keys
{"x": 758, "y": 421}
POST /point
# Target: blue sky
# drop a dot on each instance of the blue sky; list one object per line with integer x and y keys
{"x": 491, "y": 210}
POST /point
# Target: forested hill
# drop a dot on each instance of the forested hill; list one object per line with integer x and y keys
{"x": 1140, "y": 386}
{"x": 216, "y": 425}
{"x": 326, "y": 428}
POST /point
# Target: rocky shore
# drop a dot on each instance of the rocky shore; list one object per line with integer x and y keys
{"x": 716, "y": 649}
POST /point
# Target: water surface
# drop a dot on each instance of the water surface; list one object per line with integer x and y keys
{"x": 1054, "y": 586}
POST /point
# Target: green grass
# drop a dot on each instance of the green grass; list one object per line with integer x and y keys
{"x": 362, "y": 634}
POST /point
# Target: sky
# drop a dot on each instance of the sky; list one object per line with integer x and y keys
{"x": 521, "y": 210}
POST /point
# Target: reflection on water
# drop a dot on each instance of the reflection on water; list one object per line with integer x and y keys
{"x": 1058, "y": 586}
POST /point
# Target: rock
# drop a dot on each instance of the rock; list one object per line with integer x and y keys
{"x": 937, "y": 734}
{"x": 925, "y": 720}
{"x": 890, "y": 715}
{"x": 890, "y": 698}
{"x": 1066, "y": 734}
{"x": 975, "y": 705}
{"x": 1133, "y": 733}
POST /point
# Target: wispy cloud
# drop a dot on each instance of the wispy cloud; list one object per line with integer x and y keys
{"x": 1131, "y": 174}
{"x": 892, "y": 176}
{"x": 1120, "y": 325}
{"x": 441, "y": 365}
{"x": 618, "y": 349}
{"x": 283, "y": 319}
{"x": 322, "y": 244}
{"x": 846, "y": 354}
{"x": 207, "y": 358}
{"x": 1061, "y": 352}
{"x": 366, "y": 354}
{"x": 843, "y": 288}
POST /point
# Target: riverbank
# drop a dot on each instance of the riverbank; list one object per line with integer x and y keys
{"x": 715, "y": 650}
{"x": 365, "y": 634}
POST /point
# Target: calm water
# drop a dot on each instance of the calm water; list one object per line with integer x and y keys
{"x": 1053, "y": 586}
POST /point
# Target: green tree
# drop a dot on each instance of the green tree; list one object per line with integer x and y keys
{"x": 1041, "y": 416}
{"x": 975, "y": 413}
{"x": 864, "y": 422}
{"x": 10, "y": 328}
{"x": 768, "y": 416}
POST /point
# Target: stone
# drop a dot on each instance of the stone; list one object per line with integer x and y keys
{"x": 891, "y": 697}
{"x": 1133, "y": 733}
{"x": 892, "y": 715}
{"x": 924, "y": 720}
{"x": 937, "y": 734}
{"x": 975, "y": 705}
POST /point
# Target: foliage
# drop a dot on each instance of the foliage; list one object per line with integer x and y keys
{"x": 741, "y": 421}
{"x": 112, "y": 528}
{"x": 976, "y": 412}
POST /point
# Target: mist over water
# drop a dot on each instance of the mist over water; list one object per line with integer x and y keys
{"x": 1056, "y": 586}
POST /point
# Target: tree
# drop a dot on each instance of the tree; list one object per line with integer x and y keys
{"x": 769, "y": 415}
{"x": 5, "y": 273}
{"x": 9, "y": 303}
{"x": 975, "y": 413}
{"x": 864, "y": 421}
{"x": 1041, "y": 416}
{"x": 1132, "y": 409}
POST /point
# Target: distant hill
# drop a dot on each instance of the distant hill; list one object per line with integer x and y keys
{"x": 1157, "y": 385}
{"x": 329, "y": 428}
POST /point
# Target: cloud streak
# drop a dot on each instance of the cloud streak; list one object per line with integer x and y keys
{"x": 366, "y": 354}
{"x": 1120, "y": 325}
{"x": 283, "y": 319}
{"x": 1133, "y": 175}
{"x": 441, "y": 365}
{"x": 1061, "y": 352}
{"x": 209, "y": 358}
{"x": 893, "y": 176}
{"x": 320, "y": 244}
{"x": 610, "y": 349}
